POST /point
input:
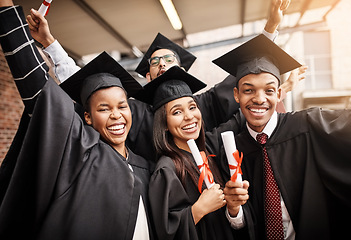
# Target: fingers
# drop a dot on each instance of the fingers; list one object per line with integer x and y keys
{"x": 231, "y": 184}
{"x": 215, "y": 186}
{"x": 234, "y": 201}
{"x": 302, "y": 69}
{"x": 33, "y": 25}
{"x": 284, "y": 5}
{"x": 277, "y": 5}
{"x": 246, "y": 184}
{"x": 301, "y": 72}
{"x": 236, "y": 193}
{"x": 36, "y": 15}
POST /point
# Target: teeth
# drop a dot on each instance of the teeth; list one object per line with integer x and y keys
{"x": 259, "y": 110}
{"x": 189, "y": 126}
{"x": 116, "y": 127}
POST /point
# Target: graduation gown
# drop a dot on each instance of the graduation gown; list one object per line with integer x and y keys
{"x": 310, "y": 154}
{"x": 171, "y": 207}
{"x": 60, "y": 181}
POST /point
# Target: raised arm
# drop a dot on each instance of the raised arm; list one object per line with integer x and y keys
{"x": 63, "y": 65}
{"x": 217, "y": 104}
{"x": 30, "y": 74}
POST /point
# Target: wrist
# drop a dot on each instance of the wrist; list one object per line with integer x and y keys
{"x": 197, "y": 212}
{"x": 271, "y": 27}
{"x": 233, "y": 211}
{"x": 48, "y": 41}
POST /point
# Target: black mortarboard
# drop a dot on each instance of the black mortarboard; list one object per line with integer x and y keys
{"x": 174, "y": 83}
{"x": 255, "y": 56}
{"x": 161, "y": 42}
{"x": 102, "y": 72}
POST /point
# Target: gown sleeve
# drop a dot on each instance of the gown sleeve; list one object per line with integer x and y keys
{"x": 170, "y": 205}
{"x": 30, "y": 76}
{"x": 217, "y": 104}
{"x": 330, "y": 134}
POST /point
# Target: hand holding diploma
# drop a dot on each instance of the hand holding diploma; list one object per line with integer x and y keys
{"x": 234, "y": 160}
{"x": 202, "y": 163}
{"x": 39, "y": 28}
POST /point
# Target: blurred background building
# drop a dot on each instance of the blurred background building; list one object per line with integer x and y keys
{"x": 316, "y": 32}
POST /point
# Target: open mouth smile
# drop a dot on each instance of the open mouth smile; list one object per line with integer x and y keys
{"x": 117, "y": 129}
{"x": 190, "y": 128}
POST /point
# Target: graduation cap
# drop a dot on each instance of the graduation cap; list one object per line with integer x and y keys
{"x": 102, "y": 72}
{"x": 255, "y": 56}
{"x": 174, "y": 83}
{"x": 161, "y": 42}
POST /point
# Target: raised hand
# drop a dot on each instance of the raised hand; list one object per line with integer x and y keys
{"x": 39, "y": 28}
{"x": 276, "y": 14}
{"x": 295, "y": 76}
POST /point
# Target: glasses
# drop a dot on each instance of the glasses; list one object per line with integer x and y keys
{"x": 155, "y": 61}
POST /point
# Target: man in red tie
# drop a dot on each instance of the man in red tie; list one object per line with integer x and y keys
{"x": 298, "y": 164}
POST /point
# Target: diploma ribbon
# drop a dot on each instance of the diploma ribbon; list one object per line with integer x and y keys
{"x": 206, "y": 171}
{"x": 45, "y": 6}
{"x": 239, "y": 158}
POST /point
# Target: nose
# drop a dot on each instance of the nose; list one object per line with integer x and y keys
{"x": 115, "y": 114}
{"x": 260, "y": 97}
{"x": 162, "y": 62}
{"x": 188, "y": 115}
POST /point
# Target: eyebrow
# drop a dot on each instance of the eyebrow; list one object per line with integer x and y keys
{"x": 106, "y": 104}
{"x": 251, "y": 85}
{"x": 178, "y": 105}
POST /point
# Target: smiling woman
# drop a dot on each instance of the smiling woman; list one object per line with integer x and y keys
{"x": 183, "y": 121}
{"x": 178, "y": 208}
{"x": 110, "y": 115}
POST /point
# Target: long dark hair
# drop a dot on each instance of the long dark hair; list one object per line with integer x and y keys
{"x": 165, "y": 146}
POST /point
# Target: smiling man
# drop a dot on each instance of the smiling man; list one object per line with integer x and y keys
{"x": 303, "y": 157}
{"x": 258, "y": 95}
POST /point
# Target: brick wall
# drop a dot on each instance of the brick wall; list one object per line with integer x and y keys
{"x": 11, "y": 107}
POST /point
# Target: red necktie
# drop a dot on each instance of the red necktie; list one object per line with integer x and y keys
{"x": 272, "y": 205}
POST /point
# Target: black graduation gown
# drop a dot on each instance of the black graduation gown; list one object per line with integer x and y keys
{"x": 63, "y": 182}
{"x": 171, "y": 207}
{"x": 310, "y": 154}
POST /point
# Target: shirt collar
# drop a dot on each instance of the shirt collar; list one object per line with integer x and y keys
{"x": 268, "y": 129}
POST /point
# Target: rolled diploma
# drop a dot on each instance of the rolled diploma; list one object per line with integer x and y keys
{"x": 230, "y": 148}
{"x": 198, "y": 159}
{"x": 44, "y": 7}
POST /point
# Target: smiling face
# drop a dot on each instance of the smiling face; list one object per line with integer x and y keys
{"x": 163, "y": 66}
{"x": 110, "y": 115}
{"x": 258, "y": 95}
{"x": 183, "y": 121}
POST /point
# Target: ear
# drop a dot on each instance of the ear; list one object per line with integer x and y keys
{"x": 279, "y": 94}
{"x": 148, "y": 77}
{"x": 87, "y": 118}
{"x": 236, "y": 94}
